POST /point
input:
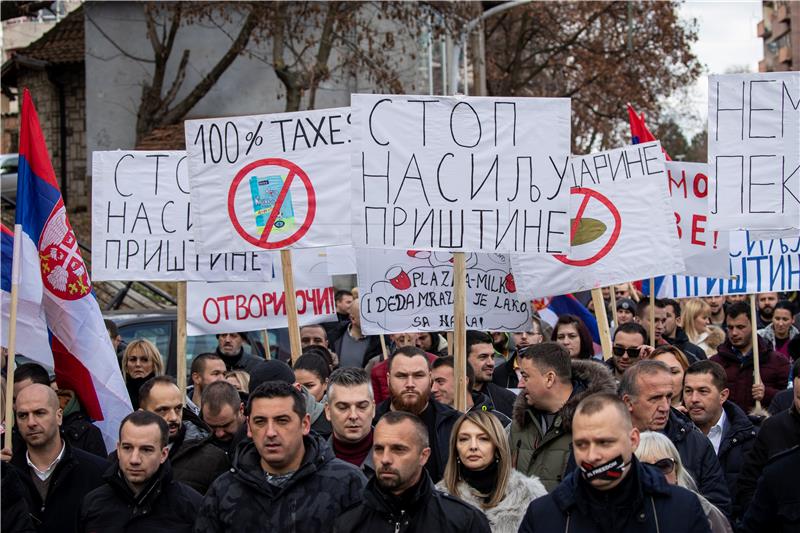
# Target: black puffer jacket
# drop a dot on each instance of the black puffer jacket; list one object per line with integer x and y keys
{"x": 164, "y": 505}
{"x": 737, "y": 440}
{"x": 195, "y": 460}
{"x": 776, "y": 505}
{"x": 14, "y": 516}
{"x": 242, "y": 501}
{"x": 502, "y": 398}
{"x": 426, "y": 511}
{"x": 697, "y": 454}
{"x": 693, "y": 352}
{"x": 77, "y": 474}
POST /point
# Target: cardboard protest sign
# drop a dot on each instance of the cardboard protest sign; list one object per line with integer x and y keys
{"x": 622, "y": 228}
{"x": 238, "y": 306}
{"x": 754, "y": 150}
{"x": 269, "y": 182}
{"x": 413, "y": 291}
{"x": 755, "y": 266}
{"x": 142, "y": 223}
{"x": 705, "y": 251}
{"x": 460, "y": 173}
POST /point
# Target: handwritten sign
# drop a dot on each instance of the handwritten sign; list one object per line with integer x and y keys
{"x": 460, "y": 173}
{"x": 754, "y": 150}
{"x": 142, "y": 223}
{"x": 269, "y": 182}
{"x": 413, "y": 291}
{"x": 622, "y": 226}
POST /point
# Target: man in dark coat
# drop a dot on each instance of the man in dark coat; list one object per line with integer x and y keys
{"x": 507, "y": 374}
{"x": 646, "y": 388}
{"x": 776, "y": 505}
{"x": 480, "y": 356}
{"x": 14, "y": 515}
{"x": 410, "y": 391}
{"x": 194, "y": 458}
{"x": 401, "y": 496}
{"x": 777, "y": 434}
{"x": 140, "y": 494}
{"x": 231, "y": 351}
{"x": 676, "y": 336}
{"x": 736, "y": 357}
{"x": 56, "y": 476}
{"x": 284, "y": 479}
{"x": 612, "y": 491}
{"x": 729, "y": 429}
{"x": 350, "y": 408}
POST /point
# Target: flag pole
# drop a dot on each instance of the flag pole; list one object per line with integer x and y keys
{"x": 460, "y": 328}
{"x": 290, "y": 298}
{"x": 653, "y": 312}
{"x": 181, "y": 347}
{"x": 602, "y": 321}
{"x": 12, "y": 335}
{"x": 756, "y": 362}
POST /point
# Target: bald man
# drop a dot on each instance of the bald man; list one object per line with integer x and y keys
{"x": 56, "y": 476}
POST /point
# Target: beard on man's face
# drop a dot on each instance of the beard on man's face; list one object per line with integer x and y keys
{"x": 411, "y": 403}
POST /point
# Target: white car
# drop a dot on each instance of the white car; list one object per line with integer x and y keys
{"x": 8, "y": 175}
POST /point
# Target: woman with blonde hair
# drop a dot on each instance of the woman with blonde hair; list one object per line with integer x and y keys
{"x": 697, "y": 325}
{"x": 677, "y": 362}
{"x": 239, "y": 379}
{"x": 140, "y": 362}
{"x": 656, "y": 450}
{"x": 479, "y": 472}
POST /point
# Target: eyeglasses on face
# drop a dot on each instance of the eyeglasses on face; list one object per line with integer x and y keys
{"x": 619, "y": 351}
{"x": 665, "y": 465}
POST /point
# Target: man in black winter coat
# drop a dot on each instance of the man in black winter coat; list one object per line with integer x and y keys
{"x": 231, "y": 350}
{"x": 729, "y": 429}
{"x": 777, "y": 499}
{"x": 194, "y": 458}
{"x": 140, "y": 494}
{"x": 55, "y": 475}
{"x": 646, "y": 388}
{"x": 674, "y": 334}
{"x": 401, "y": 496}
{"x": 480, "y": 356}
{"x": 284, "y": 479}
{"x": 612, "y": 491}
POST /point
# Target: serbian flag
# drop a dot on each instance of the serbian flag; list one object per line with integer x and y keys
{"x": 567, "y": 304}
{"x": 82, "y": 354}
{"x": 639, "y": 131}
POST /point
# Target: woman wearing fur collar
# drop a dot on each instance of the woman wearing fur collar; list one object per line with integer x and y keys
{"x": 479, "y": 472}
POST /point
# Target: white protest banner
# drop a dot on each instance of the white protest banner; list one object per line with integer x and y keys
{"x": 238, "y": 306}
{"x": 755, "y": 266}
{"x": 623, "y": 227}
{"x": 705, "y": 252}
{"x": 341, "y": 260}
{"x": 460, "y": 173}
{"x": 754, "y": 150}
{"x": 413, "y": 291}
{"x": 269, "y": 182}
{"x": 142, "y": 224}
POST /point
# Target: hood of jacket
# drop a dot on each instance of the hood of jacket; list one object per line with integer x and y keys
{"x": 247, "y": 464}
{"x": 769, "y": 333}
{"x": 714, "y": 336}
{"x": 481, "y": 402}
{"x": 375, "y": 499}
{"x": 588, "y": 377}
{"x": 314, "y": 409}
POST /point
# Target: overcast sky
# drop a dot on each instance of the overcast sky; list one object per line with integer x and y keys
{"x": 727, "y": 38}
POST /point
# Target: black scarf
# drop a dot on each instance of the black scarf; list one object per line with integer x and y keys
{"x": 484, "y": 481}
{"x": 133, "y": 385}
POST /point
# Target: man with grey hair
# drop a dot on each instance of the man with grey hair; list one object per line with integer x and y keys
{"x": 646, "y": 389}
{"x": 350, "y": 407}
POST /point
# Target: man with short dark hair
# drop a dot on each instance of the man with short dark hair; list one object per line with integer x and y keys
{"x": 646, "y": 388}
{"x": 480, "y": 355}
{"x": 443, "y": 389}
{"x": 401, "y": 496}
{"x": 140, "y": 493}
{"x": 223, "y": 413}
{"x": 736, "y": 357}
{"x": 195, "y": 460}
{"x": 206, "y": 369}
{"x": 644, "y": 315}
{"x": 350, "y": 407}
{"x": 231, "y": 350}
{"x": 630, "y": 344}
{"x": 765, "y": 302}
{"x": 507, "y": 374}
{"x": 705, "y": 394}
{"x": 717, "y": 308}
{"x": 56, "y": 475}
{"x": 612, "y": 490}
{"x": 409, "y": 379}
{"x": 552, "y": 386}
{"x": 285, "y": 479}
{"x": 674, "y": 334}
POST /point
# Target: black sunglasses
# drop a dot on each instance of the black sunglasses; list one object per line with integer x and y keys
{"x": 619, "y": 351}
{"x": 666, "y": 465}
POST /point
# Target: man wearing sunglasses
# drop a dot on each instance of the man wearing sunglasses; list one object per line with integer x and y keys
{"x": 646, "y": 388}
{"x": 630, "y": 345}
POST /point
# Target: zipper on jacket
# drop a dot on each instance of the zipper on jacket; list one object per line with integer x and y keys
{"x": 399, "y": 522}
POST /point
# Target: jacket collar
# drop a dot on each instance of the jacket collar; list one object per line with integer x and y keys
{"x": 379, "y": 501}
{"x": 678, "y": 425}
{"x": 145, "y": 499}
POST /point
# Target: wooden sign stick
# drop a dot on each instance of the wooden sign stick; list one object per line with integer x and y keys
{"x": 460, "y": 328}
{"x": 291, "y": 304}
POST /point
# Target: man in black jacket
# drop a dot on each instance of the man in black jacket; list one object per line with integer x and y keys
{"x": 56, "y": 476}
{"x": 480, "y": 355}
{"x": 285, "y": 479}
{"x": 401, "y": 496}
{"x": 195, "y": 460}
{"x": 410, "y": 390}
{"x": 612, "y": 490}
{"x": 231, "y": 351}
{"x": 729, "y": 429}
{"x": 646, "y": 388}
{"x": 506, "y": 375}
{"x": 140, "y": 494}
{"x": 674, "y": 334}
{"x": 775, "y": 505}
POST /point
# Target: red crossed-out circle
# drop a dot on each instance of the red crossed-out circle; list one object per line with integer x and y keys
{"x": 261, "y": 241}
{"x": 588, "y": 194}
